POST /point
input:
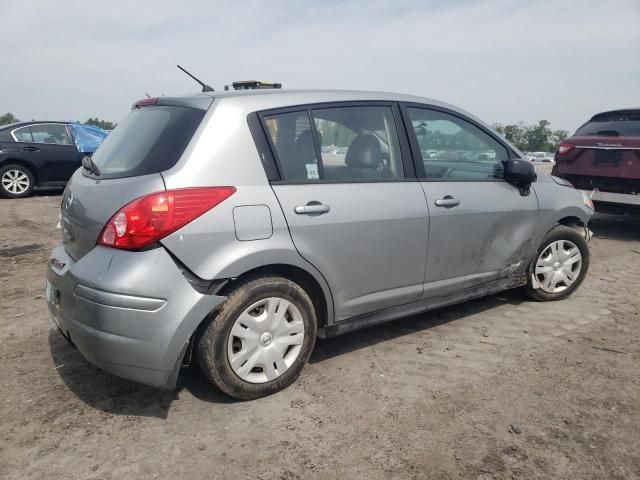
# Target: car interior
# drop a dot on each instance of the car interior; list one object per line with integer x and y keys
{"x": 361, "y": 143}
{"x": 354, "y": 144}
{"x": 455, "y": 150}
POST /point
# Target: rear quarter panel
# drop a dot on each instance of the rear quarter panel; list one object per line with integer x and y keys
{"x": 11, "y": 153}
{"x": 223, "y": 153}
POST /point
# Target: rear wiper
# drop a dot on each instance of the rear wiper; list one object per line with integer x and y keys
{"x": 88, "y": 163}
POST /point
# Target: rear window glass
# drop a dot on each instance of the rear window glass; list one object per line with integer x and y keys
{"x": 148, "y": 140}
{"x": 613, "y": 125}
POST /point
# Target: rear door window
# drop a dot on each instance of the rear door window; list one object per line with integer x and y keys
{"x": 292, "y": 139}
{"x": 149, "y": 140}
{"x": 50, "y": 133}
{"x": 355, "y": 143}
{"x": 359, "y": 143}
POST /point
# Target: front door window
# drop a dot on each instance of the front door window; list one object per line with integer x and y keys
{"x": 455, "y": 149}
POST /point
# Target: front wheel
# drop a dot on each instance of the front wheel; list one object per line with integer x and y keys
{"x": 561, "y": 263}
{"x": 258, "y": 341}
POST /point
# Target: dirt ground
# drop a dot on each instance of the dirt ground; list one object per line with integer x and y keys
{"x": 495, "y": 388}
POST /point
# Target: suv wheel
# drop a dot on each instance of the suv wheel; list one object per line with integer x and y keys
{"x": 16, "y": 181}
{"x": 259, "y": 339}
{"x": 562, "y": 261}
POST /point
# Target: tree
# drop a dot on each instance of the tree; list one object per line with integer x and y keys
{"x": 513, "y": 133}
{"x": 104, "y": 124}
{"x": 8, "y": 118}
{"x": 532, "y": 138}
{"x": 556, "y": 137}
{"x": 537, "y": 136}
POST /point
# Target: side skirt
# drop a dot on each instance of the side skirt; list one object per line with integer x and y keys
{"x": 421, "y": 306}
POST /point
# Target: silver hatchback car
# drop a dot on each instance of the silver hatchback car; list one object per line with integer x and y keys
{"x": 234, "y": 228}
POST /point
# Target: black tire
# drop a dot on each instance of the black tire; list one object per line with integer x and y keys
{"x": 211, "y": 347}
{"x": 5, "y": 192}
{"x": 560, "y": 232}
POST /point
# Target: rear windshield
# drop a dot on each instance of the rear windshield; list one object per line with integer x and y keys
{"x": 148, "y": 140}
{"x": 613, "y": 125}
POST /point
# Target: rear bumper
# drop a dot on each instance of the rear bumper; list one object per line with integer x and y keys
{"x": 609, "y": 197}
{"x": 129, "y": 313}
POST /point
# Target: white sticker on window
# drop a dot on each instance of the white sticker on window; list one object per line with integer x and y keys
{"x": 312, "y": 171}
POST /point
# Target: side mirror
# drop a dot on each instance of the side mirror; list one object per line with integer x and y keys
{"x": 519, "y": 171}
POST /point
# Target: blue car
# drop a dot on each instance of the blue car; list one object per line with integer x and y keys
{"x": 43, "y": 154}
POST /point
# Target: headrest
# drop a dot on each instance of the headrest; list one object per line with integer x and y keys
{"x": 364, "y": 152}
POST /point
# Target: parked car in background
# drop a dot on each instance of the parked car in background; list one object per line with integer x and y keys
{"x": 603, "y": 159}
{"x": 544, "y": 157}
{"x": 43, "y": 154}
{"x": 218, "y": 228}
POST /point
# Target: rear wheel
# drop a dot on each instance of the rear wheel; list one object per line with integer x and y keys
{"x": 16, "y": 181}
{"x": 562, "y": 261}
{"x": 259, "y": 339}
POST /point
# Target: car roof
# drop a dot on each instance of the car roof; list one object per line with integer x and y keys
{"x": 248, "y": 101}
{"x": 15, "y": 125}
{"x": 264, "y": 99}
{"x": 318, "y": 96}
{"x": 620, "y": 111}
{"x": 332, "y": 94}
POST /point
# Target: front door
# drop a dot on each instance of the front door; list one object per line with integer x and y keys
{"x": 481, "y": 227}
{"x": 350, "y": 211}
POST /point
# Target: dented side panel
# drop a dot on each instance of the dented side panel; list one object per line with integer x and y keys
{"x": 489, "y": 235}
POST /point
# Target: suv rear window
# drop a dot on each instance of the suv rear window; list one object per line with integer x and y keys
{"x": 622, "y": 124}
{"x": 148, "y": 140}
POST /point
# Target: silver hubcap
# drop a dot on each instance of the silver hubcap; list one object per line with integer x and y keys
{"x": 265, "y": 340}
{"x": 15, "y": 181}
{"x": 558, "y": 266}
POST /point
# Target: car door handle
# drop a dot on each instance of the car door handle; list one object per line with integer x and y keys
{"x": 447, "y": 201}
{"x": 311, "y": 208}
{"x": 30, "y": 149}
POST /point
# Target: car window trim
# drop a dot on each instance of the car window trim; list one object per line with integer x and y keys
{"x": 263, "y": 144}
{"x": 415, "y": 147}
{"x": 24, "y": 127}
{"x": 317, "y": 144}
{"x": 64, "y": 125}
{"x": 67, "y": 128}
{"x": 409, "y": 173}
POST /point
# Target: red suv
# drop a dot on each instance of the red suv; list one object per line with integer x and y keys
{"x": 603, "y": 159}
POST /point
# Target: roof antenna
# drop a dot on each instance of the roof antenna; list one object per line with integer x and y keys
{"x": 205, "y": 87}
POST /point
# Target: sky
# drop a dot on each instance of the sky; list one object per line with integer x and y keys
{"x": 503, "y": 60}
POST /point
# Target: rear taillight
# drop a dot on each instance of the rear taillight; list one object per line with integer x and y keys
{"x": 150, "y": 218}
{"x": 565, "y": 148}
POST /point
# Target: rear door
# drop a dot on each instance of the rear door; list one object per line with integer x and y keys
{"x": 351, "y": 211}
{"x": 481, "y": 227}
{"x": 53, "y": 145}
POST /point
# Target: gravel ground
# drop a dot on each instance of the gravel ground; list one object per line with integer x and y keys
{"x": 495, "y": 388}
